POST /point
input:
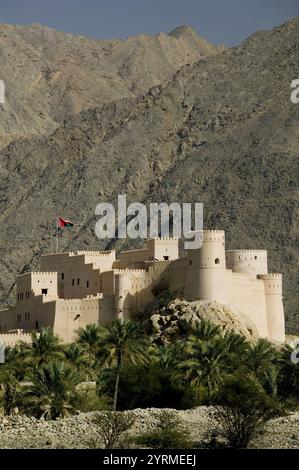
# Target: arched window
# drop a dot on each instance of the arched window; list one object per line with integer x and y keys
{"x": 217, "y": 261}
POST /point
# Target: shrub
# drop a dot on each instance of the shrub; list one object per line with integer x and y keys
{"x": 241, "y": 410}
{"x": 168, "y": 434}
{"x": 113, "y": 426}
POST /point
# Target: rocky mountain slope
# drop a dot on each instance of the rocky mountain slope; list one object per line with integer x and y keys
{"x": 51, "y": 76}
{"x": 221, "y": 131}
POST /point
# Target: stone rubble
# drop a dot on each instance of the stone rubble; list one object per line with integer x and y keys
{"x": 79, "y": 431}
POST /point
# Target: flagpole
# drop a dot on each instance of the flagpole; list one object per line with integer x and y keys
{"x": 57, "y": 247}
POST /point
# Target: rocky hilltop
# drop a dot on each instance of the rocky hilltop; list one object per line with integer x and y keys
{"x": 221, "y": 130}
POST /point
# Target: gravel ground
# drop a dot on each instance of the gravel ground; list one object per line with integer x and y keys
{"x": 80, "y": 432}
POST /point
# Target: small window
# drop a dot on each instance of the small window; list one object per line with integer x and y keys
{"x": 62, "y": 276}
{"x": 78, "y": 282}
{"x": 166, "y": 258}
{"x": 44, "y": 291}
{"x": 255, "y": 257}
{"x": 217, "y": 261}
{"x": 190, "y": 262}
{"x": 87, "y": 284}
{"x": 73, "y": 282}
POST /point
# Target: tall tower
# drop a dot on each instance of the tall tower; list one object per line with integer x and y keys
{"x": 206, "y": 269}
{"x": 122, "y": 295}
{"x": 274, "y": 305}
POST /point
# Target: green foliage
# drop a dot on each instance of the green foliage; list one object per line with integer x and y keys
{"x": 288, "y": 376}
{"x": 242, "y": 408}
{"x": 10, "y": 394}
{"x": 169, "y": 433}
{"x": 88, "y": 338}
{"x": 52, "y": 380}
{"x": 45, "y": 347}
{"x": 206, "y": 359}
{"x": 112, "y": 427}
{"x": 121, "y": 340}
{"x": 146, "y": 386}
{"x": 52, "y": 391}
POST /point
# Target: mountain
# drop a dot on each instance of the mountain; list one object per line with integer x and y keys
{"x": 51, "y": 76}
{"x": 221, "y": 131}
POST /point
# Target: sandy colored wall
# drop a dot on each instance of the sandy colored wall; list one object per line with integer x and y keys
{"x": 248, "y": 296}
{"x": 31, "y": 284}
{"x": 74, "y": 313}
{"x": 250, "y": 262}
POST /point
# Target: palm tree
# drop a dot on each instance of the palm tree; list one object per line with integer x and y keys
{"x": 238, "y": 349}
{"x": 10, "y": 392}
{"x": 205, "y": 330}
{"x": 88, "y": 338}
{"x": 205, "y": 365}
{"x": 45, "y": 347}
{"x": 288, "y": 383}
{"x": 78, "y": 358}
{"x": 260, "y": 358}
{"x": 52, "y": 390}
{"x": 169, "y": 356}
{"x": 121, "y": 340}
{"x": 18, "y": 360}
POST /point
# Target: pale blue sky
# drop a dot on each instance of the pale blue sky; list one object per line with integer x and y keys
{"x": 220, "y": 21}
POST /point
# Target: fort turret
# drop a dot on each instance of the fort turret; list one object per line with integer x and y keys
{"x": 274, "y": 305}
{"x": 206, "y": 269}
{"x": 250, "y": 262}
{"x": 122, "y": 295}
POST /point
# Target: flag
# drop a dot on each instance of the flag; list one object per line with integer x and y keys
{"x": 62, "y": 223}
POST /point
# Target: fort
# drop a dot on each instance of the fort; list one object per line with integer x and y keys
{"x": 74, "y": 289}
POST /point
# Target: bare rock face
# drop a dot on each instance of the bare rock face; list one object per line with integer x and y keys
{"x": 51, "y": 76}
{"x": 221, "y": 131}
{"x": 176, "y": 318}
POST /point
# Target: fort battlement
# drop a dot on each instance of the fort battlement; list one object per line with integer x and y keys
{"x": 269, "y": 277}
{"x": 10, "y": 339}
{"x": 245, "y": 251}
{"x": 95, "y": 253}
{"x": 136, "y": 273}
{"x": 38, "y": 273}
{"x": 44, "y": 273}
{"x": 213, "y": 236}
{"x": 158, "y": 262}
{"x": 127, "y": 252}
{"x": 171, "y": 239}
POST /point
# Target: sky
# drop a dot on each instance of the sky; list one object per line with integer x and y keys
{"x": 220, "y": 21}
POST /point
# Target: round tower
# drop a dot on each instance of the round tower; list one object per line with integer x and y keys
{"x": 122, "y": 295}
{"x": 274, "y": 305}
{"x": 249, "y": 262}
{"x": 206, "y": 269}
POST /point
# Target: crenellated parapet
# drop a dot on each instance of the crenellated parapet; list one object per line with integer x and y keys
{"x": 250, "y": 262}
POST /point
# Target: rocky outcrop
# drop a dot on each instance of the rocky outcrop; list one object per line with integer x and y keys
{"x": 176, "y": 318}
